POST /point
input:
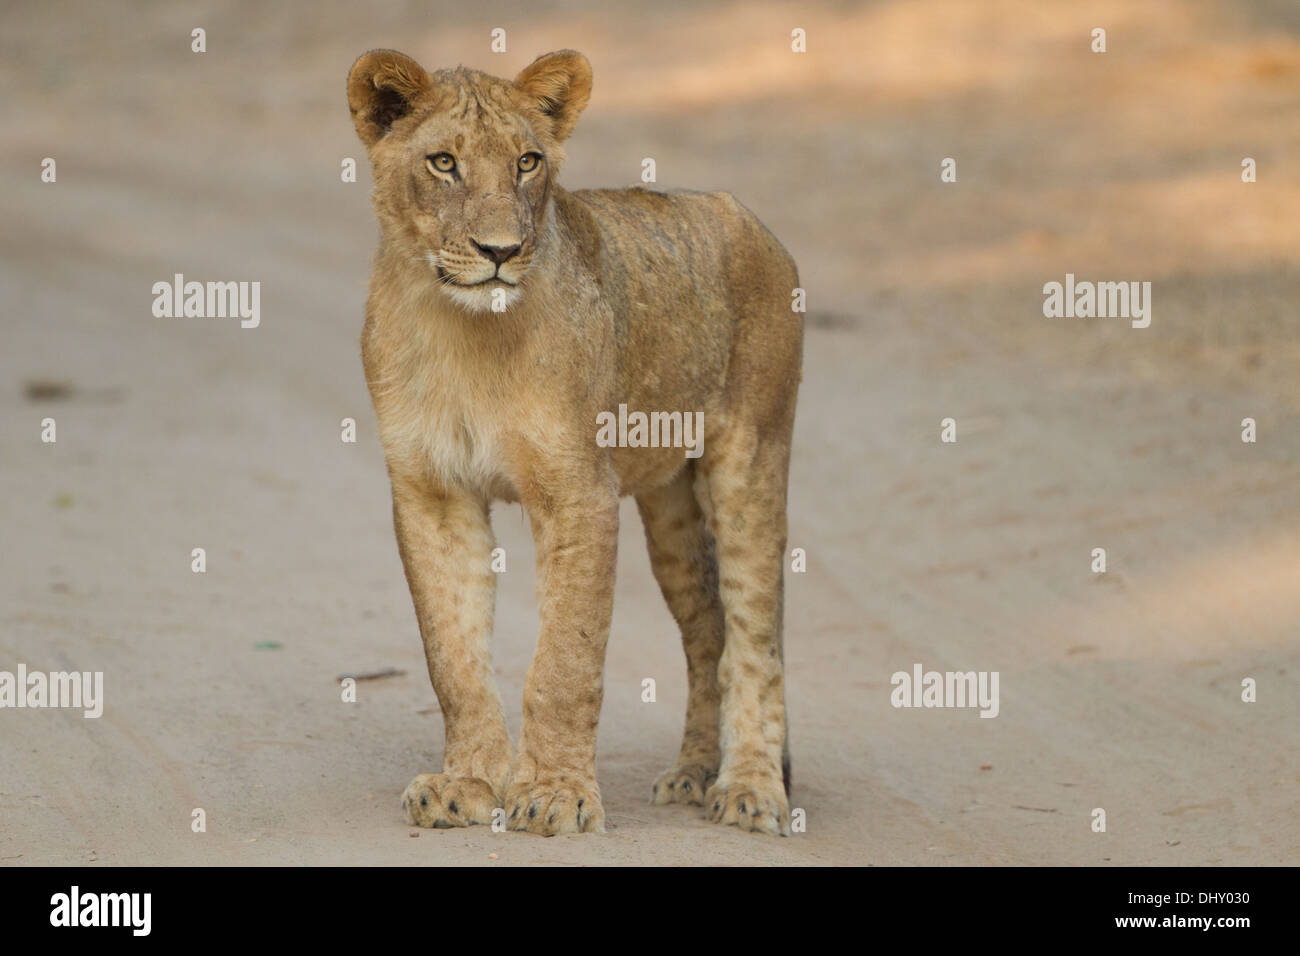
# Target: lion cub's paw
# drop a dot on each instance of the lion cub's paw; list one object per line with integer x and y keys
{"x": 754, "y": 801}
{"x": 443, "y": 800}
{"x": 685, "y": 783}
{"x": 552, "y": 804}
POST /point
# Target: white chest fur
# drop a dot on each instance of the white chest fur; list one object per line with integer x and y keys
{"x": 436, "y": 415}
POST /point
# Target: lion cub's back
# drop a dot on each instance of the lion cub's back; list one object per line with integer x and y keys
{"x": 701, "y": 296}
{"x": 703, "y": 240}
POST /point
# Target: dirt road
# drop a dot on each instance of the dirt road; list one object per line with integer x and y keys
{"x": 1120, "y": 691}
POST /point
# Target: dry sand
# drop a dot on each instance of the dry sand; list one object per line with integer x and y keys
{"x": 1119, "y": 691}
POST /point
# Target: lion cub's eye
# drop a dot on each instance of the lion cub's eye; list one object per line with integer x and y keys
{"x": 440, "y": 162}
{"x": 528, "y": 162}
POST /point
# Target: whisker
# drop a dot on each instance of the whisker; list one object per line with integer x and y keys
{"x": 434, "y": 260}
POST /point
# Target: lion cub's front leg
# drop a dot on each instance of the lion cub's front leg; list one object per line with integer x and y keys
{"x": 445, "y": 539}
{"x": 553, "y": 785}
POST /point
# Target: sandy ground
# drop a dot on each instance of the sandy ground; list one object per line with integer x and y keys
{"x": 1118, "y": 691}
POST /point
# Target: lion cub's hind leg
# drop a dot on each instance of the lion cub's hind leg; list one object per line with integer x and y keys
{"x": 744, "y": 496}
{"x": 682, "y": 556}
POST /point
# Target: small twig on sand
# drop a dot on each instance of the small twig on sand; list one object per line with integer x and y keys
{"x": 374, "y": 675}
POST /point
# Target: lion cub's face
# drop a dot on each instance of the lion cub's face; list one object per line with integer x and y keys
{"x": 478, "y": 181}
{"x": 464, "y": 163}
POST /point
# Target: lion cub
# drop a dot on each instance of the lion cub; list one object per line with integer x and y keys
{"x": 507, "y": 317}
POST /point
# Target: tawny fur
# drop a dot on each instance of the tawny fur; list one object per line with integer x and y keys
{"x": 661, "y": 301}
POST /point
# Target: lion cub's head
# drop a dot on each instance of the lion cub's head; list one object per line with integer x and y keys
{"x": 464, "y": 163}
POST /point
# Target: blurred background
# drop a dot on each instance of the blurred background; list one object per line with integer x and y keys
{"x": 1120, "y": 690}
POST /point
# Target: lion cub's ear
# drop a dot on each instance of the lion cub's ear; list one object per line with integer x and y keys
{"x": 382, "y": 87}
{"x": 559, "y": 84}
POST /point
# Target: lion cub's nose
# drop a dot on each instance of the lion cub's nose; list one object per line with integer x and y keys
{"x": 497, "y": 254}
